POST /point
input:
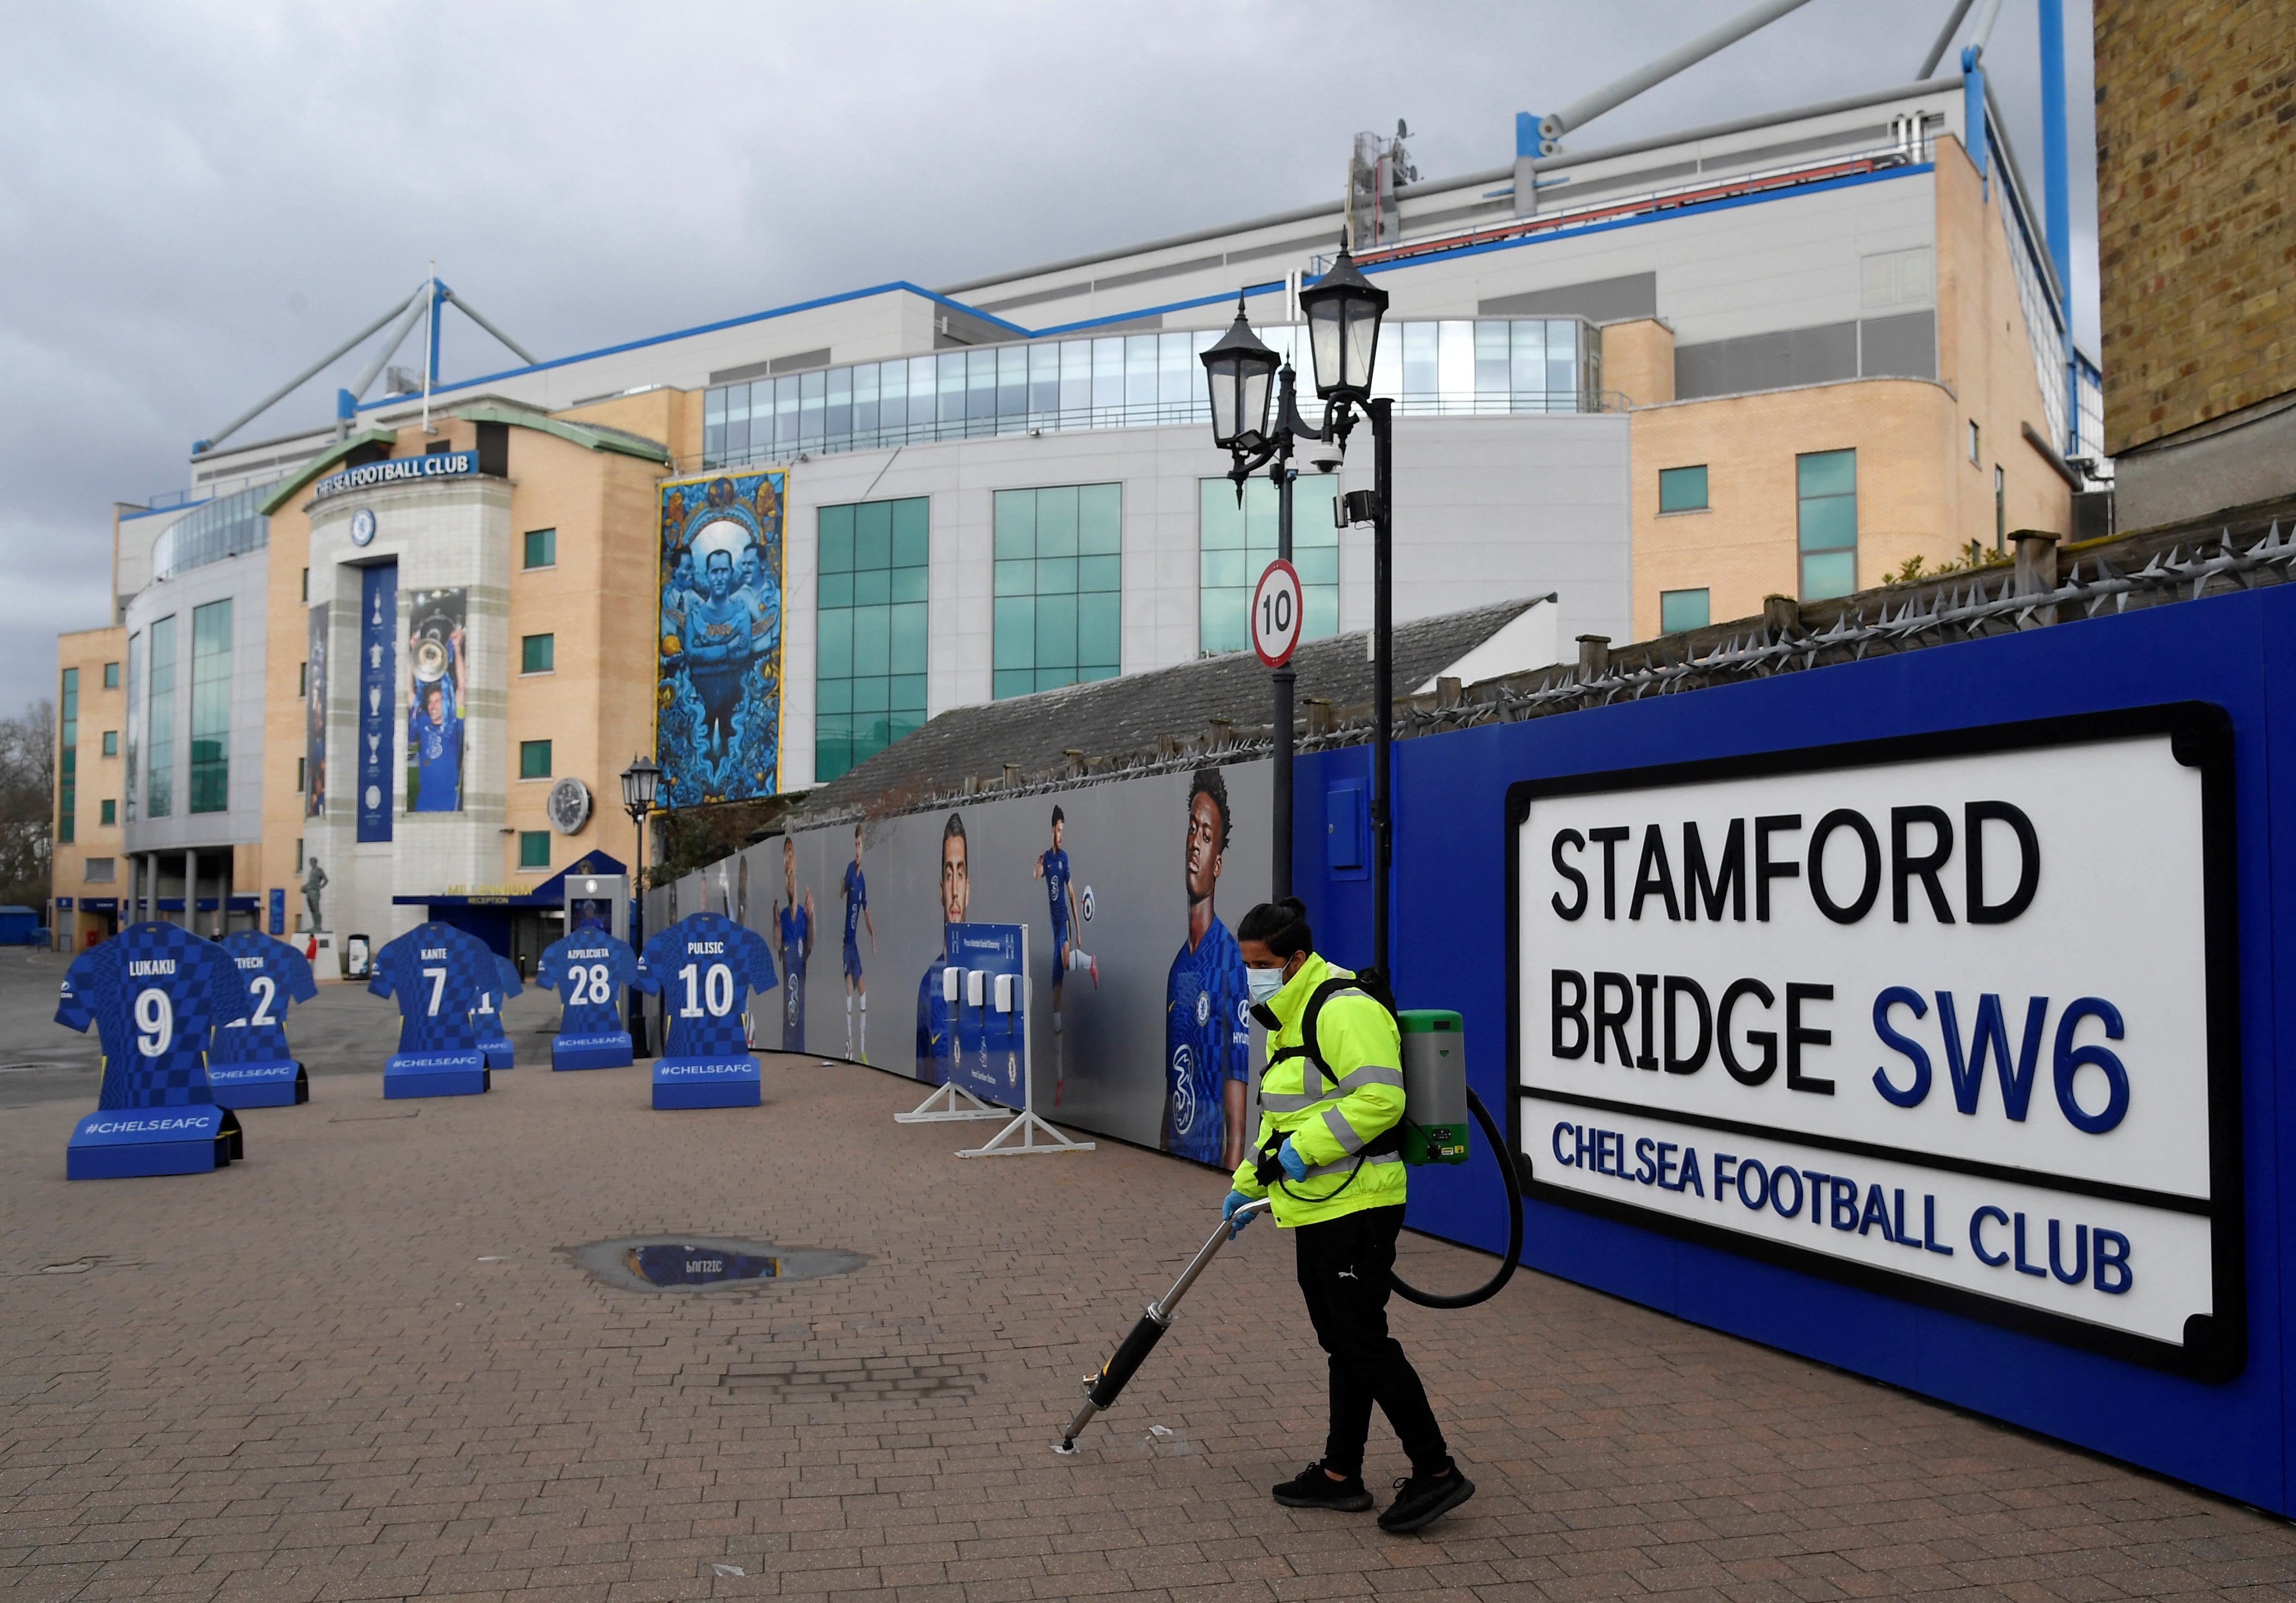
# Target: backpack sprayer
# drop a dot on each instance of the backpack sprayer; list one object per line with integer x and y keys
{"x": 1437, "y": 1101}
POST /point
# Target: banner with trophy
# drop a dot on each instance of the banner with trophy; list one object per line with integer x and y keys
{"x": 377, "y": 753}
{"x": 434, "y": 692}
{"x": 314, "y": 717}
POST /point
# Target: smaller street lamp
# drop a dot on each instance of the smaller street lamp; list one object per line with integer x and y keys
{"x": 640, "y": 782}
{"x": 1241, "y": 373}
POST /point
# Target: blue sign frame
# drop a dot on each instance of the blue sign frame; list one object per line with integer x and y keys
{"x": 380, "y": 756}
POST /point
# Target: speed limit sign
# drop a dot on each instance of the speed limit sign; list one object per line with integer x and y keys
{"x": 1276, "y": 614}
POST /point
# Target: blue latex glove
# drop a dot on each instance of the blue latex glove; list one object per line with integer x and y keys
{"x": 1294, "y": 1165}
{"x": 1235, "y": 1199}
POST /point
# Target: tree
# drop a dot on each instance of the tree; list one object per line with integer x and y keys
{"x": 28, "y": 801}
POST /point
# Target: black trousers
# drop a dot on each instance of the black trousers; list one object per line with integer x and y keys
{"x": 1343, "y": 1273}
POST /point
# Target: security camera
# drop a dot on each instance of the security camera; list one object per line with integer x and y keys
{"x": 1327, "y": 458}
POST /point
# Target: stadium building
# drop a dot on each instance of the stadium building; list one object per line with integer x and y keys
{"x": 1648, "y": 384}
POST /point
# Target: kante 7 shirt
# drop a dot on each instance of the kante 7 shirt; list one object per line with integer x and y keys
{"x": 276, "y": 974}
{"x": 436, "y": 973}
{"x": 704, "y": 968}
{"x": 588, "y": 969}
{"x": 152, "y": 991}
{"x": 1207, "y": 1043}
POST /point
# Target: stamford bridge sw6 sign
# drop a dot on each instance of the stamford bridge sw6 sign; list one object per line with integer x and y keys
{"x": 1953, "y": 1017}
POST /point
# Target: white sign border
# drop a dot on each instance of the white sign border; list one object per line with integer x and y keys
{"x": 2215, "y": 1347}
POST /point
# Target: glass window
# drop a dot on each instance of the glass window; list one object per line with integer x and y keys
{"x": 110, "y": 815}
{"x": 101, "y": 870}
{"x": 1827, "y": 486}
{"x": 870, "y": 612}
{"x": 1234, "y": 545}
{"x": 68, "y": 754}
{"x": 538, "y": 653}
{"x": 211, "y": 707}
{"x": 1059, "y": 584}
{"x": 112, "y": 743}
{"x": 111, "y": 676}
{"x": 542, "y": 547}
{"x": 534, "y": 759}
{"x": 135, "y": 720}
{"x": 1682, "y": 488}
{"x": 302, "y": 681}
{"x": 159, "y": 709}
{"x": 534, "y": 848}
{"x": 1678, "y": 610}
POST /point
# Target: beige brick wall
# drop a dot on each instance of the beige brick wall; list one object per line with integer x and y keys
{"x": 1638, "y": 360}
{"x": 97, "y": 778}
{"x": 1919, "y": 493}
{"x": 2196, "y": 247}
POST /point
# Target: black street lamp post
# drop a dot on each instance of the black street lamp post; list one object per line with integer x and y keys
{"x": 640, "y": 781}
{"x": 1343, "y": 311}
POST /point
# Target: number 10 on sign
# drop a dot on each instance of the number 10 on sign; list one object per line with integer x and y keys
{"x": 1276, "y": 614}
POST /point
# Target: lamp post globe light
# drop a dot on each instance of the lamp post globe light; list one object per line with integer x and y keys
{"x": 640, "y": 781}
{"x": 1343, "y": 312}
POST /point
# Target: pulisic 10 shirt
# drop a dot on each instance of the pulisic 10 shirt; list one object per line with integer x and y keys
{"x": 153, "y": 992}
{"x": 276, "y": 974}
{"x": 438, "y": 974}
{"x": 588, "y": 969}
{"x": 704, "y": 968}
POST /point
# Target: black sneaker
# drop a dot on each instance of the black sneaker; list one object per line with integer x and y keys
{"x": 1421, "y": 1499}
{"x": 1311, "y": 1488}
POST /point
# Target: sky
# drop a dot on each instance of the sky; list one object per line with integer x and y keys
{"x": 197, "y": 200}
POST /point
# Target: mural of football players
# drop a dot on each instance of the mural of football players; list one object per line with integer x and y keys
{"x": 1059, "y": 890}
{"x": 1207, "y": 1029}
{"x": 936, "y": 1027}
{"x": 857, "y": 915}
{"x": 793, "y": 921}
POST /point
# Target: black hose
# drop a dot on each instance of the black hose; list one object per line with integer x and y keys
{"x": 1489, "y": 1288}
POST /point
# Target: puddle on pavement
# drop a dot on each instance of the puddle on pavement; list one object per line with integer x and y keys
{"x": 704, "y": 1262}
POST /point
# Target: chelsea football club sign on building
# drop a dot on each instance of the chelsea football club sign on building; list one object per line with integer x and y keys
{"x": 1953, "y": 1017}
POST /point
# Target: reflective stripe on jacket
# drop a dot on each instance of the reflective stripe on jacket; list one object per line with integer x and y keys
{"x": 1330, "y": 1125}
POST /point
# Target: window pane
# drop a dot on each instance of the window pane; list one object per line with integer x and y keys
{"x": 1016, "y": 523}
{"x": 1100, "y": 630}
{"x": 1056, "y": 576}
{"x": 1679, "y": 609}
{"x": 1178, "y": 373}
{"x": 1016, "y": 633}
{"x": 1016, "y": 682}
{"x": 872, "y": 587}
{"x": 534, "y": 848}
{"x": 1099, "y": 573}
{"x": 533, "y": 758}
{"x": 980, "y": 385}
{"x": 1108, "y": 372}
{"x": 1056, "y": 633}
{"x": 1829, "y": 523}
{"x": 872, "y": 535}
{"x": 909, "y": 584}
{"x": 836, "y": 590}
{"x": 835, "y": 524}
{"x": 1491, "y": 357}
{"x": 538, "y": 653}
{"x": 1056, "y": 521}
{"x": 871, "y": 694}
{"x": 1833, "y": 573}
{"x": 1454, "y": 348}
{"x": 836, "y": 695}
{"x": 909, "y": 694}
{"x": 1076, "y": 377}
{"x": 908, "y": 638}
{"x": 1219, "y": 519}
{"x": 870, "y": 641}
{"x": 1681, "y": 488}
{"x": 1016, "y": 578}
{"x": 834, "y": 655}
{"x": 1826, "y": 472}
{"x": 911, "y": 544}
{"x": 1228, "y": 569}
{"x": 541, "y": 548}
{"x": 1100, "y": 519}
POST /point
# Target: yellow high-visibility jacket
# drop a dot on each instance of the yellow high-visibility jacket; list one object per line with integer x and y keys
{"x": 1329, "y": 1126}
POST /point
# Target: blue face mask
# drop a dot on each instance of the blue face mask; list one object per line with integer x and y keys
{"x": 1263, "y": 984}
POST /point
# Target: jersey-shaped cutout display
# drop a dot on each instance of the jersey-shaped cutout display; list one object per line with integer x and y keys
{"x": 276, "y": 974}
{"x": 588, "y": 970}
{"x": 487, "y": 1017}
{"x": 704, "y": 968}
{"x": 438, "y": 974}
{"x": 153, "y": 992}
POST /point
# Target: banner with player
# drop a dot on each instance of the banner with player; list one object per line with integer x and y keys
{"x": 717, "y": 695}
{"x": 1129, "y": 892}
{"x": 436, "y": 626}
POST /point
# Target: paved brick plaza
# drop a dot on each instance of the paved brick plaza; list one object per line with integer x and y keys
{"x": 359, "y": 1366}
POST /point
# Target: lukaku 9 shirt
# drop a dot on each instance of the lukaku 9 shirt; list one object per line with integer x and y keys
{"x": 153, "y": 992}
{"x": 588, "y": 969}
{"x": 1207, "y": 1043}
{"x": 276, "y": 974}
{"x": 704, "y": 968}
{"x": 438, "y": 974}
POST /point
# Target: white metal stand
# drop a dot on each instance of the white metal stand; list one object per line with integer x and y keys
{"x": 949, "y": 1108}
{"x": 1029, "y": 1126}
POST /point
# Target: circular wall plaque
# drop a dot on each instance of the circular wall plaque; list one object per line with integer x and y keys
{"x": 363, "y": 526}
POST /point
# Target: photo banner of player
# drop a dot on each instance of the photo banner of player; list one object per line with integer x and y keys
{"x": 377, "y": 759}
{"x": 718, "y": 694}
{"x": 1137, "y": 997}
{"x": 437, "y": 623}
{"x": 315, "y": 715}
